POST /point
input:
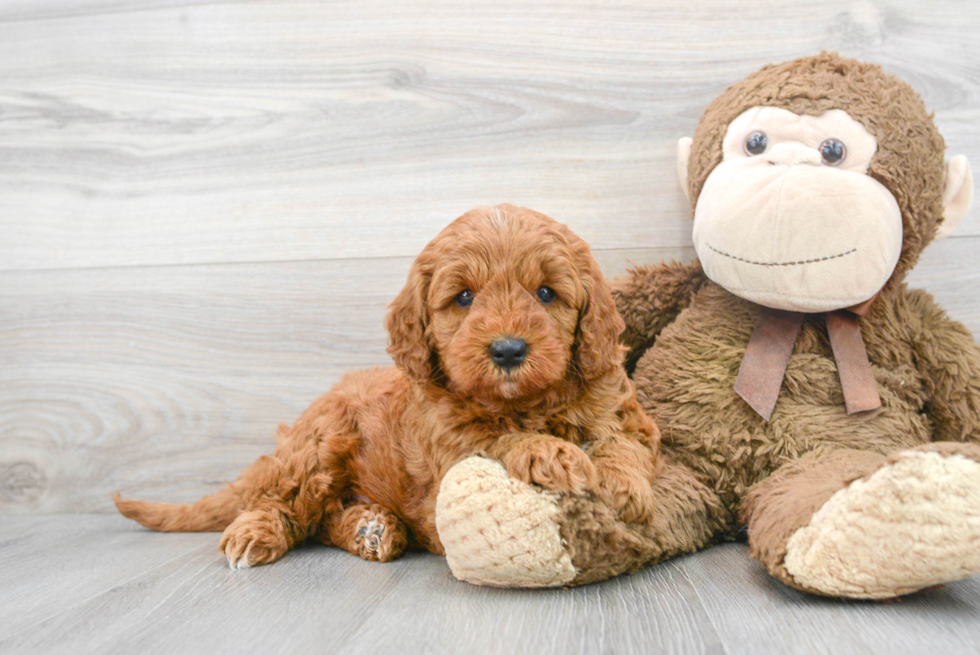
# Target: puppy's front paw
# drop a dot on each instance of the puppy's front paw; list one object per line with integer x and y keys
{"x": 254, "y": 538}
{"x": 552, "y": 463}
{"x": 631, "y": 496}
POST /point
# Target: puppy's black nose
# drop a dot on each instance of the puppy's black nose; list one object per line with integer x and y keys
{"x": 508, "y": 353}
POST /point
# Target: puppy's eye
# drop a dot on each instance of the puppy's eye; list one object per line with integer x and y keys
{"x": 756, "y": 143}
{"x": 833, "y": 151}
{"x": 546, "y": 295}
{"x": 464, "y": 298}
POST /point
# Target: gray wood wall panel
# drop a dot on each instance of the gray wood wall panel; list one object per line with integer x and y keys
{"x": 298, "y": 130}
{"x": 204, "y": 206}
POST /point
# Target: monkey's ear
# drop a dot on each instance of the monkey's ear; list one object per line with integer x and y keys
{"x": 683, "y": 155}
{"x": 957, "y": 195}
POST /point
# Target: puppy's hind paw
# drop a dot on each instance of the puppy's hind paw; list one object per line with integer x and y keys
{"x": 253, "y": 539}
{"x": 374, "y": 540}
{"x": 371, "y": 532}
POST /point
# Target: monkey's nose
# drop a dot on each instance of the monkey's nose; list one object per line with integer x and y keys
{"x": 508, "y": 352}
{"x": 790, "y": 154}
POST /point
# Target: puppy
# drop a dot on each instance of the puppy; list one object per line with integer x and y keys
{"x": 506, "y": 344}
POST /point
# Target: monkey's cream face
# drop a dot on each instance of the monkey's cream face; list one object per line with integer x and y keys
{"x": 790, "y": 218}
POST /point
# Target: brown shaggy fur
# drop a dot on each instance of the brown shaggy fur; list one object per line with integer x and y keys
{"x": 725, "y": 467}
{"x": 362, "y": 466}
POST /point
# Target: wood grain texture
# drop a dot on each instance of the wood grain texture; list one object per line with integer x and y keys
{"x": 100, "y": 584}
{"x": 206, "y": 205}
{"x": 941, "y": 621}
{"x": 162, "y": 382}
{"x": 165, "y": 381}
{"x": 179, "y": 132}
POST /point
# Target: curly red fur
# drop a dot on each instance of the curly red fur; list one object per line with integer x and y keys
{"x": 364, "y": 462}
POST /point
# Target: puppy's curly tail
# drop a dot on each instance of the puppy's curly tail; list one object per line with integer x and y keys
{"x": 210, "y": 514}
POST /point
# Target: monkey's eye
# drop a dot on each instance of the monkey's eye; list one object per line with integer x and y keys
{"x": 464, "y": 298}
{"x": 756, "y": 143}
{"x": 546, "y": 295}
{"x": 833, "y": 151}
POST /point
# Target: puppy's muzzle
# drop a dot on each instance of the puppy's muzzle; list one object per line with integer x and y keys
{"x": 508, "y": 353}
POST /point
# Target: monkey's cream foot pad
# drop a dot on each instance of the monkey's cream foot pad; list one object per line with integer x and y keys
{"x": 498, "y": 531}
{"x": 912, "y": 524}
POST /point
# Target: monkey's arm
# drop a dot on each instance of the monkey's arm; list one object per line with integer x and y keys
{"x": 948, "y": 358}
{"x": 650, "y": 297}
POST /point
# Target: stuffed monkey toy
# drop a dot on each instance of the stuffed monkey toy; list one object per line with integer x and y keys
{"x": 803, "y": 392}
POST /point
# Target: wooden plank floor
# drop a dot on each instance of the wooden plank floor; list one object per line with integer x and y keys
{"x": 100, "y": 584}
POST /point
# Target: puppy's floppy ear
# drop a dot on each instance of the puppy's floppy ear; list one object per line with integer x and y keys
{"x": 599, "y": 325}
{"x": 406, "y": 322}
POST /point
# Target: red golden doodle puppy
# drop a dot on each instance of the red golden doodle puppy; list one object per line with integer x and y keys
{"x": 506, "y": 344}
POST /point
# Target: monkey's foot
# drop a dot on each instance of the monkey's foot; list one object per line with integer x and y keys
{"x": 499, "y": 531}
{"x": 911, "y": 524}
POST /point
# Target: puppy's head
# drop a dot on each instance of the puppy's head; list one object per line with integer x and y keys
{"x": 502, "y": 305}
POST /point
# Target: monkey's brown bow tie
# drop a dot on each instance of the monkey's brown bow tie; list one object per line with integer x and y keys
{"x": 764, "y": 365}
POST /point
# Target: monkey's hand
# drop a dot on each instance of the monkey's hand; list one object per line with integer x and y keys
{"x": 650, "y": 297}
{"x": 948, "y": 359}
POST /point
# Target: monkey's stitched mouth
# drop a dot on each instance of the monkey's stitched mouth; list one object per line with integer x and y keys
{"x": 798, "y": 263}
